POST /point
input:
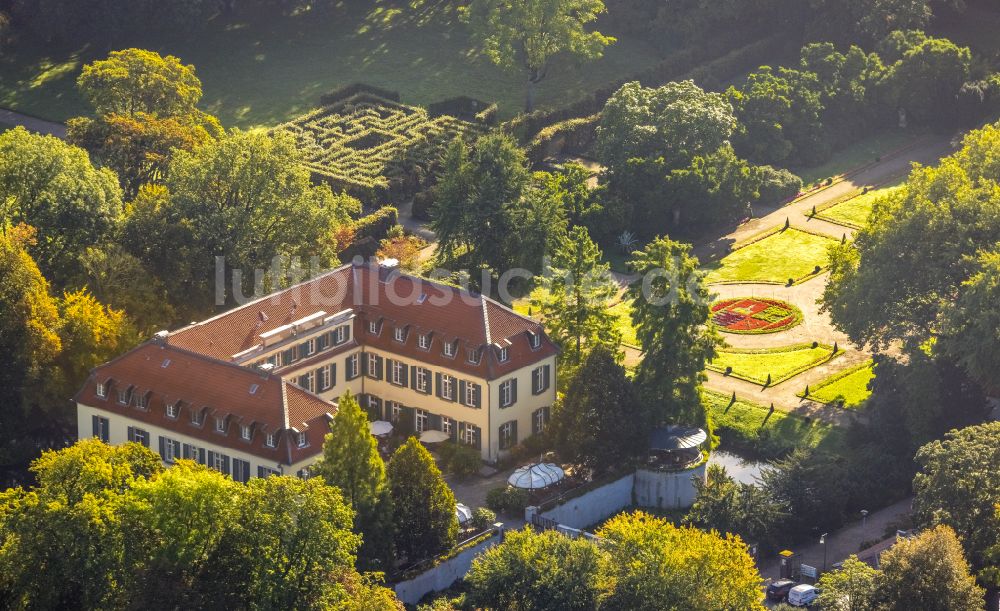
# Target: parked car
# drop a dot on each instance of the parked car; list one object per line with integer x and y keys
{"x": 802, "y": 595}
{"x": 778, "y": 590}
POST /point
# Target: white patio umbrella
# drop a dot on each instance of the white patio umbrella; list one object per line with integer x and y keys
{"x": 538, "y": 475}
{"x": 380, "y": 427}
{"x": 463, "y": 512}
{"x": 432, "y": 436}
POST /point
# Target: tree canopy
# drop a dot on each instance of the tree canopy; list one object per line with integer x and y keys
{"x": 423, "y": 504}
{"x": 529, "y": 33}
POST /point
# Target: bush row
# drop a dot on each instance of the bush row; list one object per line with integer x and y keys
{"x": 347, "y": 91}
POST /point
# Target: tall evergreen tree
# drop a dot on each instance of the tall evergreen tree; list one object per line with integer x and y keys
{"x": 599, "y": 422}
{"x": 671, "y": 318}
{"x": 423, "y": 505}
{"x": 352, "y": 463}
{"x": 572, "y": 298}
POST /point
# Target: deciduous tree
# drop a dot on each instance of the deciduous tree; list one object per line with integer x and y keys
{"x": 529, "y": 33}
{"x": 852, "y": 587}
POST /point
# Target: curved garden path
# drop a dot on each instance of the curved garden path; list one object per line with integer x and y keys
{"x": 14, "y": 118}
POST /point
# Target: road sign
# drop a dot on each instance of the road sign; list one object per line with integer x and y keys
{"x": 808, "y": 571}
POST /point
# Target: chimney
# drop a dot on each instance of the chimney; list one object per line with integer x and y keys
{"x": 160, "y": 337}
{"x": 265, "y": 370}
{"x": 389, "y": 263}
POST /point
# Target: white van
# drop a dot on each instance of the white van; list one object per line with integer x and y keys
{"x": 802, "y": 595}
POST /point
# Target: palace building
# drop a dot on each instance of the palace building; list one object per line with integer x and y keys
{"x": 251, "y": 391}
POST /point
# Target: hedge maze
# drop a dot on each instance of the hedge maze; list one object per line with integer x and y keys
{"x": 369, "y": 145}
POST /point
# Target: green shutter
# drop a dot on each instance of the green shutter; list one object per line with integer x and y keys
{"x": 437, "y": 385}
{"x": 513, "y": 433}
{"x": 406, "y": 373}
{"x": 462, "y": 384}
{"x": 513, "y": 391}
{"x": 477, "y": 396}
{"x": 413, "y": 377}
{"x": 97, "y": 426}
{"x": 434, "y": 421}
{"x": 379, "y": 367}
{"x": 548, "y": 377}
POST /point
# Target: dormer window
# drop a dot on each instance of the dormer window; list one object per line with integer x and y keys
{"x": 172, "y": 410}
{"x": 102, "y": 390}
{"x": 373, "y": 327}
{"x": 399, "y": 334}
{"x": 220, "y": 425}
{"x": 124, "y": 394}
{"x": 270, "y": 441}
{"x": 246, "y": 432}
{"x": 534, "y": 340}
{"x": 340, "y": 335}
{"x": 142, "y": 401}
{"x": 503, "y": 355}
{"x": 449, "y": 349}
{"x": 474, "y": 356}
{"x": 424, "y": 341}
{"x": 302, "y": 441}
{"x": 196, "y": 417}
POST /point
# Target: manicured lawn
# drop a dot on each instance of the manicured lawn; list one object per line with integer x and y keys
{"x": 780, "y": 363}
{"x": 848, "y": 388}
{"x": 259, "y": 69}
{"x": 746, "y": 426}
{"x": 623, "y": 310}
{"x": 854, "y": 211}
{"x": 856, "y": 155}
{"x": 790, "y": 253}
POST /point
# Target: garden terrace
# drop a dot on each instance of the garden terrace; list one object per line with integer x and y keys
{"x": 848, "y": 388}
{"x": 770, "y": 366}
{"x": 773, "y": 258}
{"x": 367, "y": 145}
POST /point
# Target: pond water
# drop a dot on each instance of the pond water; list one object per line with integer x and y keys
{"x": 740, "y": 469}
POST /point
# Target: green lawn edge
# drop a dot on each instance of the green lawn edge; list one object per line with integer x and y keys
{"x": 837, "y": 377}
{"x": 775, "y": 380}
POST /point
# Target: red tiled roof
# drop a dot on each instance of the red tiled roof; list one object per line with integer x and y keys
{"x": 397, "y": 299}
{"x": 216, "y": 389}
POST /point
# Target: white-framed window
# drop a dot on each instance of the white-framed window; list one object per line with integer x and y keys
{"x": 423, "y": 376}
{"x": 123, "y": 395}
{"x": 469, "y": 434}
{"x": 219, "y": 462}
{"x": 421, "y": 421}
{"x": 270, "y": 440}
{"x": 352, "y": 366}
{"x": 274, "y": 360}
{"x": 310, "y": 347}
{"x": 470, "y": 394}
{"x": 372, "y": 402}
{"x": 102, "y": 390}
{"x": 323, "y": 342}
{"x": 449, "y": 349}
{"x": 246, "y": 432}
{"x": 373, "y": 327}
{"x": 534, "y": 340}
{"x": 197, "y": 417}
{"x": 241, "y": 470}
{"x": 138, "y": 435}
{"x": 142, "y": 401}
{"x": 303, "y": 473}
{"x": 172, "y": 410}
{"x": 220, "y": 425}
{"x": 504, "y": 355}
{"x": 538, "y": 380}
{"x": 395, "y": 411}
{"x": 325, "y": 377}
{"x": 263, "y": 471}
{"x": 424, "y": 341}
{"x": 538, "y": 421}
{"x": 102, "y": 428}
{"x": 301, "y": 440}
{"x": 506, "y": 393}
{"x": 399, "y": 334}
{"x": 473, "y": 356}
{"x": 372, "y": 364}
{"x": 172, "y": 449}
{"x": 508, "y": 435}
{"x": 340, "y": 334}
{"x": 398, "y": 371}
{"x": 447, "y": 425}
{"x": 447, "y": 387}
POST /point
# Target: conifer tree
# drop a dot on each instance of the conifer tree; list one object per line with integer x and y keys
{"x": 423, "y": 505}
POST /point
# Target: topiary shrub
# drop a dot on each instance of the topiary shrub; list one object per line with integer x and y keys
{"x": 483, "y": 518}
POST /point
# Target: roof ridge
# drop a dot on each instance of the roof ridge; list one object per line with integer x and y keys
{"x": 486, "y": 323}
{"x": 265, "y": 297}
{"x": 511, "y": 311}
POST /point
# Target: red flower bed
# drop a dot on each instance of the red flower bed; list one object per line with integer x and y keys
{"x": 754, "y": 315}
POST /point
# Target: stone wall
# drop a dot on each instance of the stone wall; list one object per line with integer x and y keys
{"x": 593, "y": 506}
{"x": 442, "y": 575}
{"x": 667, "y": 490}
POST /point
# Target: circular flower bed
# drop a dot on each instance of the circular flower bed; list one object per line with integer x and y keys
{"x": 755, "y": 315}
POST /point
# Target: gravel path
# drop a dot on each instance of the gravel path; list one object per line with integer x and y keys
{"x": 10, "y": 117}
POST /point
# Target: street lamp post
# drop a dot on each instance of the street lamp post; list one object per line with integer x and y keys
{"x": 822, "y": 541}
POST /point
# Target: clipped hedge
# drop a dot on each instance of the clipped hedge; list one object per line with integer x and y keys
{"x": 377, "y": 224}
{"x": 574, "y": 136}
{"x": 465, "y": 108}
